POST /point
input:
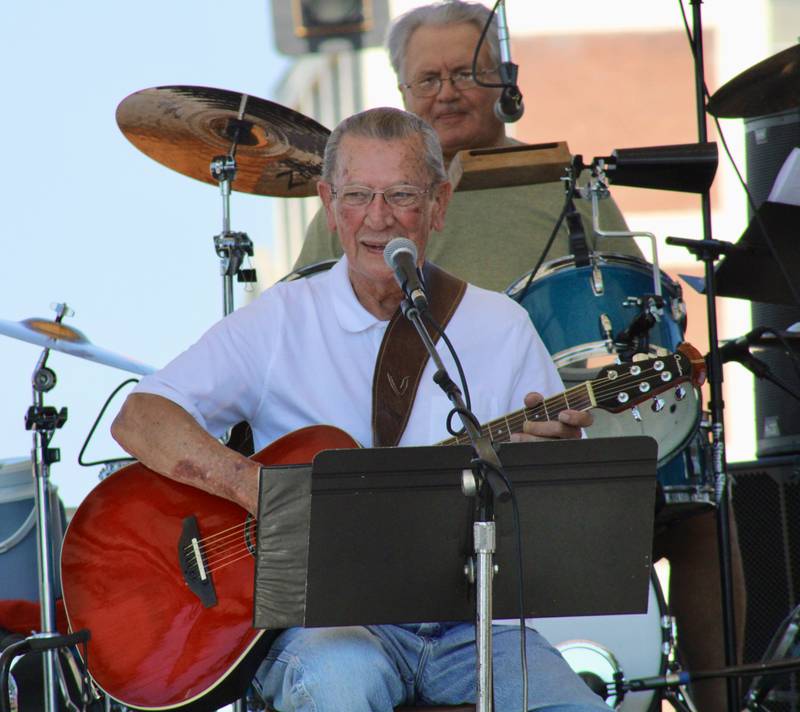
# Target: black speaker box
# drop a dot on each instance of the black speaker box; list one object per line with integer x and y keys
{"x": 768, "y": 142}
{"x": 766, "y": 506}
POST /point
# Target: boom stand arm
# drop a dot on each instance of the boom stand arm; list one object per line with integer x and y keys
{"x": 489, "y": 486}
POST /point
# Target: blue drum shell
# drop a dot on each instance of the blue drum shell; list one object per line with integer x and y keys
{"x": 566, "y": 310}
{"x": 19, "y": 577}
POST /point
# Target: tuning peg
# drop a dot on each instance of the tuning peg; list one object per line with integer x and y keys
{"x": 657, "y": 405}
{"x": 637, "y": 416}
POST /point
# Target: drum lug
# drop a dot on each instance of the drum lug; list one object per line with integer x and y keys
{"x": 597, "y": 281}
{"x": 637, "y": 416}
{"x": 678, "y": 310}
{"x": 608, "y": 332}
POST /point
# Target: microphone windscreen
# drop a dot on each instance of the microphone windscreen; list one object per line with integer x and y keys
{"x": 399, "y": 244}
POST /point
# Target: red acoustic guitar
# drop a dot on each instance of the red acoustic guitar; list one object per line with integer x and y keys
{"x": 127, "y": 554}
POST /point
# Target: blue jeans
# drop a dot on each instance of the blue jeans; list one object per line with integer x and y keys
{"x": 377, "y": 668}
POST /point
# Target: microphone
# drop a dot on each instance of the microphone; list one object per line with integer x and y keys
{"x": 401, "y": 255}
{"x": 739, "y": 350}
{"x": 509, "y": 107}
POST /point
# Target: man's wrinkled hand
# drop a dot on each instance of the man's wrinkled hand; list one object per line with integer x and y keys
{"x": 569, "y": 424}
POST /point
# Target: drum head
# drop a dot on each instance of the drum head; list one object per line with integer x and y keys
{"x": 604, "y": 645}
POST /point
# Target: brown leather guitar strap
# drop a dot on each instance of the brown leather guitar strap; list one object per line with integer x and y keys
{"x": 402, "y": 358}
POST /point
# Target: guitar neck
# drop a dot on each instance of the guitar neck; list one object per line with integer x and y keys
{"x": 580, "y": 397}
{"x": 617, "y": 388}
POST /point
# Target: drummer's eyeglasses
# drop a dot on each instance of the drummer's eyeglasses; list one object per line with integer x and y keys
{"x": 398, "y": 196}
{"x": 431, "y": 86}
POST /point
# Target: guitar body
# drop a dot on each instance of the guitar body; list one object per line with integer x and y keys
{"x": 154, "y": 645}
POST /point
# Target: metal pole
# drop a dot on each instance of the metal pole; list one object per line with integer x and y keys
{"x": 484, "y": 537}
{"x": 715, "y": 384}
{"x": 43, "y": 380}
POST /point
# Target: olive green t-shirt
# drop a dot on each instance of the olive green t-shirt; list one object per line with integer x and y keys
{"x": 495, "y": 236}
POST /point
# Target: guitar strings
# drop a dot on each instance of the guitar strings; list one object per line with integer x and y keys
{"x": 602, "y": 388}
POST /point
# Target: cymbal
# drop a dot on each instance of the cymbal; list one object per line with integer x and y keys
{"x": 279, "y": 151}
{"x": 60, "y": 337}
{"x": 768, "y": 87}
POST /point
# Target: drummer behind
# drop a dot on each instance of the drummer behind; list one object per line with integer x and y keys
{"x": 492, "y": 237}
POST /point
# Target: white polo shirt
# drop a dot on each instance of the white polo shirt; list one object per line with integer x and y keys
{"x": 303, "y": 353}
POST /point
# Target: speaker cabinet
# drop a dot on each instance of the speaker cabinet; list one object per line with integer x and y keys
{"x": 768, "y": 142}
{"x": 766, "y": 505}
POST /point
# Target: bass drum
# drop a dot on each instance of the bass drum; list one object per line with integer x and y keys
{"x": 599, "y": 647}
{"x": 578, "y": 311}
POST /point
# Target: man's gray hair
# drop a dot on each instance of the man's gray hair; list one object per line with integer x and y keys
{"x": 386, "y": 124}
{"x": 448, "y": 12}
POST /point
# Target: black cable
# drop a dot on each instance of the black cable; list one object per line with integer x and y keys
{"x": 439, "y": 330}
{"x": 751, "y": 201}
{"x": 97, "y": 422}
{"x": 6, "y": 658}
{"x": 570, "y": 194}
{"x": 481, "y": 40}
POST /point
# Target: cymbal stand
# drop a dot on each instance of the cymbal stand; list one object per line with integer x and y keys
{"x": 231, "y": 247}
{"x": 44, "y": 421}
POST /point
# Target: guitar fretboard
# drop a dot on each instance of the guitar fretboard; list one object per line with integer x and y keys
{"x": 580, "y": 397}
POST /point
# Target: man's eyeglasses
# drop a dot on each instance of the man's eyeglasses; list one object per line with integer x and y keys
{"x": 398, "y": 196}
{"x": 431, "y": 86}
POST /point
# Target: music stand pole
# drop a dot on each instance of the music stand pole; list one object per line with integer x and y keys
{"x": 486, "y": 487}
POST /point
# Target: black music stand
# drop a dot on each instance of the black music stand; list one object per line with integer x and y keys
{"x": 383, "y": 535}
{"x": 750, "y": 270}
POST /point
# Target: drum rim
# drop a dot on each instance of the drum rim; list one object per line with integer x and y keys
{"x": 666, "y": 640}
{"x": 559, "y": 263}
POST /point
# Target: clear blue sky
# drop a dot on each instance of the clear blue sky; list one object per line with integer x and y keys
{"x": 90, "y": 220}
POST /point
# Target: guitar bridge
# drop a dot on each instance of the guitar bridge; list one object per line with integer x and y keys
{"x": 193, "y": 564}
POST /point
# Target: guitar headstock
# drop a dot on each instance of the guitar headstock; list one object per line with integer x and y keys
{"x": 622, "y": 386}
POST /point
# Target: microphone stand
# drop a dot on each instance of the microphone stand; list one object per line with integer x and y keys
{"x": 708, "y": 250}
{"x": 484, "y": 482}
{"x": 685, "y": 677}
